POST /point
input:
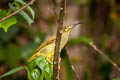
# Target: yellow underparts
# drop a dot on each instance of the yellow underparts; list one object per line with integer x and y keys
{"x": 48, "y": 56}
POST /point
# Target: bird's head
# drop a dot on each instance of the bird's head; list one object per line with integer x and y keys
{"x": 70, "y": 27}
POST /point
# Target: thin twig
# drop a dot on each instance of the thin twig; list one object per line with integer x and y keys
{"x": 53, "y": 8}
{"x": 17, "y": 11}
{"x": 105, "y": 56}
{"x": 72, "y": 67}
{"x": 58, "y": 40}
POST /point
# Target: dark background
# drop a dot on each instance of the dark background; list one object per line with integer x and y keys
{"x": 101, "y": 23}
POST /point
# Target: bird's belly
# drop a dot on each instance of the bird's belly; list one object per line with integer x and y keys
{"x": 48, "y": 49}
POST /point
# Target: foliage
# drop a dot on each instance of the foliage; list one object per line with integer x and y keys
{"x": 118, "y": 78}
{"x": 38, "y": 69}
{"x": 80, "y": 40}
{"x": 7, "y": 23}
{"x": 68, "y": 69}
{"x": 13, "y": 71}
{"x": 12, "y": 20}
{"x": 18, "y": 42}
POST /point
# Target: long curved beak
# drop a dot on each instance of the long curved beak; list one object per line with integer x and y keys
{"x": 76, "y": 24}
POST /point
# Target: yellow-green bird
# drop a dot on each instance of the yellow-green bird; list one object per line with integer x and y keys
{"x": 47, "y": 47}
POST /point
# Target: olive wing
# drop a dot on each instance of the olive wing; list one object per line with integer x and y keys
{"x": 46, "y": 42}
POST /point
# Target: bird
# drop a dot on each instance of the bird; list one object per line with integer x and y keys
{"x": 46, "y": 49}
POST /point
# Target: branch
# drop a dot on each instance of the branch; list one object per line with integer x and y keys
{"x": 53, "y": 8}
{"x": 73, "y": 68}
{"x": 58, "y": 40}
{"x": 17, "y": 11}
{"x": 106, "y": 57}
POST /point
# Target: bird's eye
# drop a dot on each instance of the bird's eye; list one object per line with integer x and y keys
{"x": 68, "y": 26}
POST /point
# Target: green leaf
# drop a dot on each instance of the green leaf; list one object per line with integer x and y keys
{"x": 22, "y": 13}
{"x": 31, "y": 65}
{"x": 67, "y": 66}
{"x": 84, "y": 40}
{"x": 39, "y": 66}
{"x": 29, "y": 74}
{"x": 6, "y": 36}
{"x": 82, "y": 2}
{"x": 9, "y": 22}
{"x": 1, "y": 25}
{"x": 3, "y": 13}
{"x": 43, "y": 64}
{"x": 47, "y": 76}
{"x": 118, "y": 78}
{"x": 28, "y": 8}
{"x": 29, "y": 20}
{"x": 36, "y": 74}
{"x": 13, "y": 71}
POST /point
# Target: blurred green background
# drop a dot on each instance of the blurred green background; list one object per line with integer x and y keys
{"x": 101, "y": 23}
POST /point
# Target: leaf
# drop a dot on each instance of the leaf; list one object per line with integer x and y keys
{"x": 40, "y": 64}
{"x": 31, "y": 65}
{"x": 82, "y": 2}
{"x": 9, "y": 22}
{"x": 47, "y": 76}
{"x": 28, "y": 8}
{"x": 0, "y": 25}
{"x": 29, "y": 74}
{"x": 29, "y": 20}
{"x": 3, "y": 13}
{"x": 13, "y": 71}
{"x": 80, "y": 40}
{"x": 35, "y": 74}
{"x": 22, "y": 13}
{"x": 118, "y": 78}
{"x": 43, "y": 64}
{"x": 6, "y": 36}
{"x": 67, "y": 66}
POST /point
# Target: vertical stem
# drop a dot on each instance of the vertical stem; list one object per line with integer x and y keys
{"x": 72, "y": 67}
{"x": 53, "y": 8}
{"x": 58, "y": 40}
